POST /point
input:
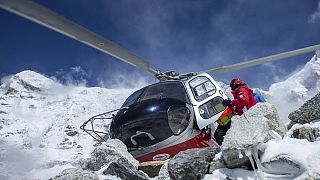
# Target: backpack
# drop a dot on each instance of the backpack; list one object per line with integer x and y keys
{"x": 226, "y": 116}
{"x": 259, "y": 97}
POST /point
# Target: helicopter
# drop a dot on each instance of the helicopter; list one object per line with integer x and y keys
{"x": 157, "y": 121}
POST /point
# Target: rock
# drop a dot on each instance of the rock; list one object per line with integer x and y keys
{"x": 191, "y": 164}
{"x": 311, "y": 134}
{"x": 111, "y": 151}
{"x": 75, "y": 174}
{"x": 308, "y": 112}
{"x": 123, "y": 172}
{"x": 72, "y": 133}
{"x": 257, "y": 125}
{"x": 151, "y": 168}
{"x": 216, "y": 164}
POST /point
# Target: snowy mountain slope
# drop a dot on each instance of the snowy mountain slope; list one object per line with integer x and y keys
{"x": 40, "y": 120}
{"x": 290, "y": 94}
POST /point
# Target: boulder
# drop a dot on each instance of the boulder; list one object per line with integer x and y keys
{"x": 256, "y": 126}
{"x": 191, "y": 164}
{"x": 308, "y": 112}
{"x": 111, "y": 151}
{"x": 309, "y": 133}
{"x": 123, "y": 172}
{"x": 216, "y": 164}
{"x": 76, "y": 174}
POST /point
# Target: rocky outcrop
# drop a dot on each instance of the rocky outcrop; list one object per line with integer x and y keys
{"x": 258, "y": 125}
{"x": 111, "y": 151}
{"x": 76, "y": 174}
{"x": 191, "y": 164}
{"x": 111, "y": 158}
{"x": 311, "y": 134}
{"x": 308, "y": 112}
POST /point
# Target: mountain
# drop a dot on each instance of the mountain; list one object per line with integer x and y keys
{"x": 40, "y": 120}
{"x": 291, "y": 93}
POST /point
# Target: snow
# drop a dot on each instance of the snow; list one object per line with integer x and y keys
{"x": 225, "y": 173}
{"x": 36, "y": 116}
{"x": 290, "y": 94}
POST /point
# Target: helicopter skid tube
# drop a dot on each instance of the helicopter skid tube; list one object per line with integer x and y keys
{"x": 199, "y": 141}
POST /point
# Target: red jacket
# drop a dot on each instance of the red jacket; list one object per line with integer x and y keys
{"x": 243, "y": 99}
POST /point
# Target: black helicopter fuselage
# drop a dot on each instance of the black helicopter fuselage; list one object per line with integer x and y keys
{"x": 159, "y": 120}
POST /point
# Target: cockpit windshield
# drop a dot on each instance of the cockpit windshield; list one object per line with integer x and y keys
{"x": 171, "y": 90}
{"x": 133, "y": 98}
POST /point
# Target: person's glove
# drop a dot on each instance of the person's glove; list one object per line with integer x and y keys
{"x": 226, "y": 102}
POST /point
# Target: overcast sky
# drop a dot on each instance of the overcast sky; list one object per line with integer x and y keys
{"x": 183, "y": 35}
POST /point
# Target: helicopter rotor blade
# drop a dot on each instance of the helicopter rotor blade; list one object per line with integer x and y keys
{"x": 56, "y": 22}
{"x": 254, "y": 62}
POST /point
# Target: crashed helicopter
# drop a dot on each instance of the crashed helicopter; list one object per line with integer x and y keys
{"x": 160, "y": 120}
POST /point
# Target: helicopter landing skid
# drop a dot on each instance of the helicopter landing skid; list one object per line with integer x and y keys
{"x": 100, "y": 135}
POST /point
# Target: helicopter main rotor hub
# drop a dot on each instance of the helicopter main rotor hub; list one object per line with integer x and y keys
{"x": 173, "y": 75}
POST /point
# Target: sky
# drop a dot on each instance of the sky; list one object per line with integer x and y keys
{"x": 182, "y": 35}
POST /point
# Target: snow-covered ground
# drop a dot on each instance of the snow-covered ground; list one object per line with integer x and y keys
{"x": 300, "y": 151}
{"x": 40, "y": 120}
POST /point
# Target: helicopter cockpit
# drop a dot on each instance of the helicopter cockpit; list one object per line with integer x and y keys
{"x": 144, "y": 120}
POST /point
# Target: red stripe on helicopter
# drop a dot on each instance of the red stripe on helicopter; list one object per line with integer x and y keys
{"x": 200, "y": 141}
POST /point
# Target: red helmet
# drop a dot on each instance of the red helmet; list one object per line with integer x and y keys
{"x": 235, "y": 83}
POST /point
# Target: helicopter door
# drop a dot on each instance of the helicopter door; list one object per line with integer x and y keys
{"x": 206, "y": 97}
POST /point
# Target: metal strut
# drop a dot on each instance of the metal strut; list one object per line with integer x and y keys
{"x": 97, "y": 134}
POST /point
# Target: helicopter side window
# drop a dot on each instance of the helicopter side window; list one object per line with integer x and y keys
{"x": 211, "y": 108}
{"x": 178, "y": 119}
{"x": 202, "y": 88}
{"x": 172, "y": 90}
{"x": 133, "y": 98}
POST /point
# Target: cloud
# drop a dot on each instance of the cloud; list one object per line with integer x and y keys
{"x": 74, "y": 76}
{"x": 315, "y": 17}
{"x": 123, "y": 80}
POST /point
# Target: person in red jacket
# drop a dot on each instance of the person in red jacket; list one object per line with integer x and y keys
{"x": 243, "y": 97}
{"x": 243, "y": 100}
